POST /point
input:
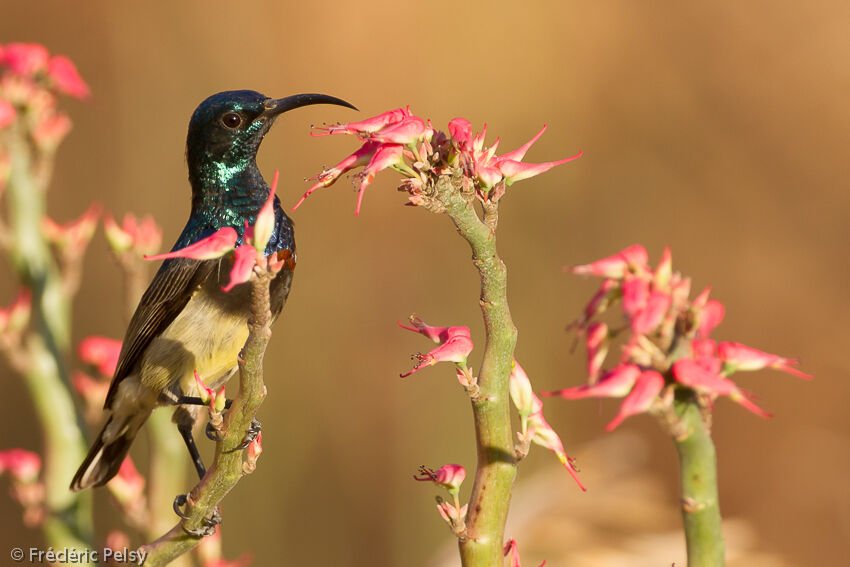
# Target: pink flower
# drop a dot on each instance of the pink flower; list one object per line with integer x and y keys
{"x": 22, "y": 465}
{"x": 74, "y": 236}
{"x": 25, "y": 58}
{"x": 646, "y": 389}
{"x": 634, "y": 258}
{"x": 368, "y": 126}
{"x": 215, "y": 400}
{"x": 615, "y": 384}
{"x": 449, "y": 477}
{"x": 545, "y": 436}
{"x": 263, "y": 228}
{"x": 385, "y": 156}
{"x": 596, "y": 343}
{"x": 409, "y": 130}
{"x": 460, "y": 131}
{"x": 359, "y": 158}
{"x": 512, "y": 549}
{"x": 7, "y": 113}
{"x": 66, "y": 78}
{"x": 652, "y": 314}
{"x": 736, "y": 356}
{"x": 101, "y": 352}
{"x": 213, "y": 246}
{"x": 142, "y": 235}
{"x": 689, "y": 373}
{"x": 244, "y": 260}
{"x": 455, "y": 345}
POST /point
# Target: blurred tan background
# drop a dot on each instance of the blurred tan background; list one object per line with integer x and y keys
{"x": 721, "y": 131}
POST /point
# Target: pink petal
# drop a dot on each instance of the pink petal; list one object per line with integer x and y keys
{"x": 596, "y": 343}
{"x": 102, "y": 352}
{"x": 264, "y": 225}
{"x": 689, "y": 373}
{"x": 664, "y": 270}
{"x": 25, "y": 58}
{"x": 456, "y": 349}
{"x": 546, "y": 437}
{"x": 521, "y": 392}
{"x": 653, "y": 314}
{"x": 66, "y": 78}
{"x": 213, "y": 246}
{"x": 646, "y": 390}
{"x": 387, "y": 155}
{"x": 634, "y": 257}
{"x": 741, "y": 357}
{"x": 520, "y": 152}
{"x": 635, "y": 296}
{"x": 615, "y": 384}
{"x": 517, "y": 171}
{"x": 409, "y": 130}
{"x": 367, "y": 126}
{"x": 244, "y": 259}
{"x": 21, "y": 464}
{"x": 710, "y": 316}
{"x": 460, "y": 131}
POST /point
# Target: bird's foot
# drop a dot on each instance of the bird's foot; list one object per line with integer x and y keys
{"x": 209, "y": 524}
{"x": 212, "y": 432}
{"x": 252, "y": 433}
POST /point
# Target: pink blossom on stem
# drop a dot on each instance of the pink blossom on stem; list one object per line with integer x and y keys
{"x": 709, "y": 317}
{"x": 736, "y": 356}
{"x": 368, "y": 126}
{"x": 615, "y": 384}
{"x": 22, "y": 465}
{"x": 75, "y": 235}
{"x": 66, "y": 78}
{"x": 689, "y": 373}
{"x": 633, "y": 258}
{"x": 409, "y": 130}
{"x": 455, "y": 344}
{"x": 385, "y": 156}
{"x": 646, "y": 389}
{"x": 244, "y": 259}
{"x": 652, "y": 314}
{"x": 521, "y": 392}
{"x": 460, "y": 131}
{"x": 359, "y": 158}
{"x": 514, "y": 171}
{"x": 142, "y": 235}
{"x": 449, "y": 477}
{"x": 213, "y": 246}
{"x": 545, "y": 436}
{"x": 101, "y": 352}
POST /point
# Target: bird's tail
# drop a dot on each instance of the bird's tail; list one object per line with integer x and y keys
{"x": 108, "y": 451}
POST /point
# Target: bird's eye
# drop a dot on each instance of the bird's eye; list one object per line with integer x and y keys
{"x": 231, "y": 120}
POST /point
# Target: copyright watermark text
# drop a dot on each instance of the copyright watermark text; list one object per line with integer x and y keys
{"x": 73, "y": 556}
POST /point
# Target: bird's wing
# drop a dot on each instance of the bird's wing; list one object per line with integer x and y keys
{"x": 166, "y": 296}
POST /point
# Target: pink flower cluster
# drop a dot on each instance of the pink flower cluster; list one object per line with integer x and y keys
{"x": 409, "y": 144}
{"x": 30, "y": 78}
{"x": 24, "y": 468}
{"x": 667, "y": 343}
{"x": 455, "y": 344}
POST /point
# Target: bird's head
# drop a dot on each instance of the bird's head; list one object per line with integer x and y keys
{"x": 227, "y": 128}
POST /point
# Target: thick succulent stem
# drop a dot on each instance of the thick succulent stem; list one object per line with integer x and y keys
{"x": 68, "y": 522}
{"x": 699, "y": 500}
{"x": 496, "y": 467}
{"x": 226, "y": 469}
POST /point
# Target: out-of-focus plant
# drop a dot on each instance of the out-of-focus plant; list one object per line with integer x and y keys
{"x": 669, "y": 367}
{"x": 458, "y": 175}
{"x": 35, "y": 329}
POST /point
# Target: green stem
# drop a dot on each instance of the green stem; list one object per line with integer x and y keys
{"x": 226, "y": 469}
{"x": 69, "y": 515}
{"x": 699, "y": 500}
{"x": 496, "y": 467}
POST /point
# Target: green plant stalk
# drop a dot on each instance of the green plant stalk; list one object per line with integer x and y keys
{"x": 69, "y": 516}
{"x": 226, "y": 469}
{"x": 699, "y": 500}
{"x": 496, "y": 467}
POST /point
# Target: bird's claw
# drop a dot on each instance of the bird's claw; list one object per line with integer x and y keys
{"x": 212, "y": 433}
{"x": 209, "y": 524}
{"x": 252, "y": 433}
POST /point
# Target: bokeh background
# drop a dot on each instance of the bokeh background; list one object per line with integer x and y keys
{"x": 720, "y": 130}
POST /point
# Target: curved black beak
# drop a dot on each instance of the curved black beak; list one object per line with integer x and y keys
{"x": 276, "y": 106}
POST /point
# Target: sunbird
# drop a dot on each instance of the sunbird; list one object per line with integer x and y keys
{"x": 185, "y": 322}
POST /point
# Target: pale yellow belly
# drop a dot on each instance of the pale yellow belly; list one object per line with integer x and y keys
{"x": 205, "y": 337}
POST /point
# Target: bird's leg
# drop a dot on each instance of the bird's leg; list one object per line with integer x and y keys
{"x": 180, "y": 500}
{"x": 196, "y": 401}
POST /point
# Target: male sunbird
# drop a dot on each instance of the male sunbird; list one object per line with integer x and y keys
{"x": 184, "y": 321}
